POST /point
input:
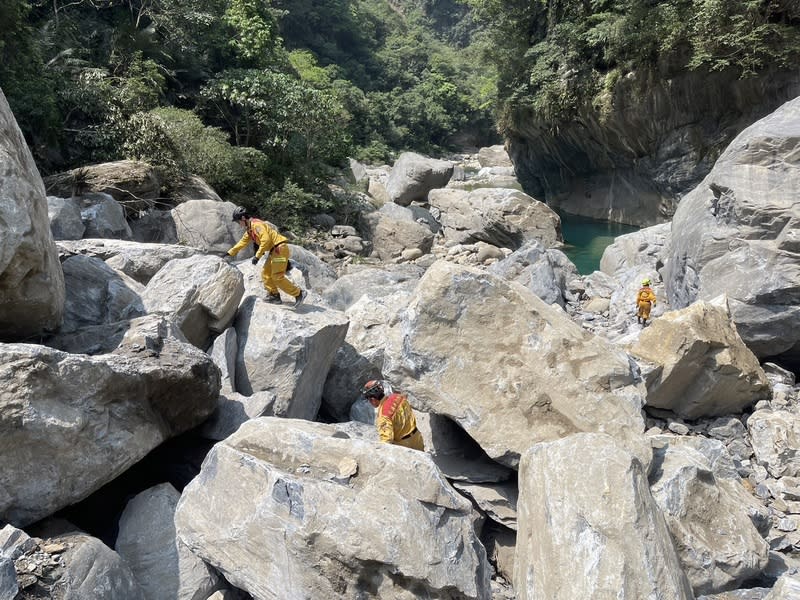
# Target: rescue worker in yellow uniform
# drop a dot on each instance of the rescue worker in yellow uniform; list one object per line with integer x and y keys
{"x": 394, "y": 418}
{"x": 645, "y": 300}
{"x": 276, "y": 247}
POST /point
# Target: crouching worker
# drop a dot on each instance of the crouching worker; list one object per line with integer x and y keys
{"x": 276, "y": 247}
{"x": 394, "y": 418}
{"x": 645, "y": 300}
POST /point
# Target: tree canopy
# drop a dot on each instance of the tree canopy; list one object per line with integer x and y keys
{"x": 558, "y": 56}
{"x": 261, "y": 97}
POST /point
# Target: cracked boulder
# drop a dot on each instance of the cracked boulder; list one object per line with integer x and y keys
{"x": 288, "y": 509}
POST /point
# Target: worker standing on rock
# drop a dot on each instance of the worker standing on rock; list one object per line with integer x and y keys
{"x": 645, "y": 300}
{"x": 394, "y": 418}
{"x": 272, "y": 243}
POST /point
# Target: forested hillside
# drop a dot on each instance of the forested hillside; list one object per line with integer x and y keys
{"x": 616, "y": 109}
{"x": 557, "y": 57}
{"x": 259, "y": 97}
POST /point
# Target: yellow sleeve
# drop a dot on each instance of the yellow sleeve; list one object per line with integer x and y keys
{"x": 385, "y": 429}
{"x": 242, "y": 243}
{"x": 653, "y": 298}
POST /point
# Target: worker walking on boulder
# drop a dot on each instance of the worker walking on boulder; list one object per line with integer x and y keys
{"x": 394, "y": 418}
{"x": 645, "y": 300}
{"x": 276, "y": 247}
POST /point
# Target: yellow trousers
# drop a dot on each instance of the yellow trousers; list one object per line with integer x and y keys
{"x": 274, "y": 272}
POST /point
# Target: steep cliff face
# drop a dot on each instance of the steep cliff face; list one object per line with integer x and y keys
{"x": 633, "y": 163}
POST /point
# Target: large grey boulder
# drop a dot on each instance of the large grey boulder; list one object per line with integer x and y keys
{"x": 65, "y": 218}
{"x": 414, "y": 175}
{"x": 698, "y": 364}
{"x": 31, "y": 281}
{"x": 201, "y": 294}
{"x": 645, "y": 249}
{"x": 360, "y": 358}
{"x": 394, "y": 231}
{"x": 163, "y": 567}
{"x": 233, "y": 409}
{"x": 192, "y": 187}
{"x": 206, "y": 225}
{"x": 545, "y": 272}
{"x": 147, "y": 331}
{"x": 98, "y": 295}
{"x": 775, "y": 435}
{"x": 386, "y": 280}
{"x": 286, "y": 352}
{"x": 136, "y": 259}
{"x": 78, "y": 421}
{"x": 529, "y": 372}
{"x": 505, "y": 218}
{"x": 103, "y": 217}
{"x": 589, "y": 528}
{"x": 319, "y": 514}
{"x": 707, "y": 512}
{"x": 738, "y": 233}
{"x": 494, "y": 156}
{"x": 136, "y": 185}
{"x": 81, "y": 567}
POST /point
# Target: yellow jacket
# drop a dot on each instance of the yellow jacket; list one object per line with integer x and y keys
{"x": 395, "y": 419}
{"x": 646, "y": 295}
{"x": 260, "y": 233}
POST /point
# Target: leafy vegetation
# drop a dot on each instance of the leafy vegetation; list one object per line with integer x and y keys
{"x": 556, "y": 57}
{"x": 262, "y": 98}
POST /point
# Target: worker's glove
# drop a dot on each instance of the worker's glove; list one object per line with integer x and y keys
{"x": 254, "y": 260}
{"x": 227, "y": 258}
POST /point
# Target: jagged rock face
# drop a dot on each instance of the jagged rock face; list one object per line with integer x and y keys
{"x": 318, "y": 514}
{"x": 491, "y": 355}
{"x": 633, "y": 164}
{"x": 738, "y": 233}
{"x": 78, "y": 421}
{"x": 589, "y": 528}
{"x": 31, "y": 281}
{"x": 696, "y": 486}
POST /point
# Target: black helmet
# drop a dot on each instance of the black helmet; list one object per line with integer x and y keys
{"x": 239, "y": 213}
{"x": 373, "y": 389}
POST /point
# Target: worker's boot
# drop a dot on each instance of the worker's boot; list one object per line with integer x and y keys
{"x": 273, "y": 299}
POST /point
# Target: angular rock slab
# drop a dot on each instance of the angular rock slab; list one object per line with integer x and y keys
{"x": 201, "y": 294}
{"x": 508, "y": 368}
{"x": 290, "y": 510}
{"x": 502, "y": 217}
{"x": 701, "y": 366}
{"x": 287, "y": 352}
{"x": 738, "y": 233}
{"x": 708, "y": 513}
{"x": 414, "y": 175}
{"x": 587, "y": 526}
{"x": 163, "y": 567}
{"x": 71, "y": 423}
{"x": 31, "y": 282}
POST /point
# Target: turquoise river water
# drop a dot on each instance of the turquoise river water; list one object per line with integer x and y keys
{"x": 586, "y": 239}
